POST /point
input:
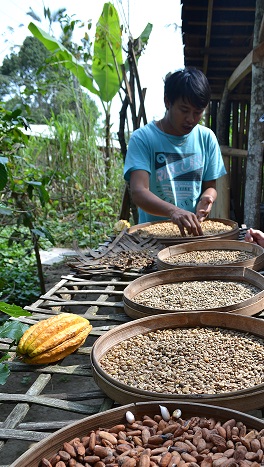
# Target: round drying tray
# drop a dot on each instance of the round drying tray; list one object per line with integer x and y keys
{"x": 168, "y": 233}
{"x": 244, "y": 399}
{"x": 48, "y": 447}
{"x": 171, "y": 256}
{"x": 173, "y": 277}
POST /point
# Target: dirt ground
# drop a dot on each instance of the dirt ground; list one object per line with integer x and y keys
{"x": 53, "y": 273}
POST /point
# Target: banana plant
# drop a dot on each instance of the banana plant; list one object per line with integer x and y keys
{"x": 106, "y": 77}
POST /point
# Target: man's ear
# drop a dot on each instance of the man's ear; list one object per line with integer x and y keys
{"x": 166, "y": 102}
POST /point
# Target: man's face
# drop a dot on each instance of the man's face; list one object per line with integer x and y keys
{"x": 183, "y": 116}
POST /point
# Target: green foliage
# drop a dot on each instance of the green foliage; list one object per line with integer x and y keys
{"x": 19, "y": 283}
{"x": 12, "y": 330}
{"x": 107, "y": 59}
{"x": 18, "y": 180}
{"x": 23, "y": 188}
{"x": 63, "y": 55}
{"x": 4, "y": 370}
{"x": 15, "y": 312}
{"x": 20, "y": 71}
{"x": 26, "y": 78}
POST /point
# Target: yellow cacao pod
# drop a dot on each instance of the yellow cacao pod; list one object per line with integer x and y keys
{"x": 120, "y": 225}
{"x": 54, "y": 338}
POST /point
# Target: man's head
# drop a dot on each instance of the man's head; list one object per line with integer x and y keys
{"x": 188, "y": 84}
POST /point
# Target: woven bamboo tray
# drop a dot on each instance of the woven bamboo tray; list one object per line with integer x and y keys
{"x": 232, "y": 234}
{"x": 53, "y": 443}
{"x": 256, "y": 263}
{"x": 244, "y": 400}
{"x": 249, "y": 307}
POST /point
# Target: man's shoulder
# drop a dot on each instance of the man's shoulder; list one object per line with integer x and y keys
{"x": 205, "y": 133}
{"x": 204, "y": 130}
{"x": 147, "y": 129}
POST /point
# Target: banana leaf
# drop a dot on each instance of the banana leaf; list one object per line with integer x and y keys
{"x": 107, "y": 60}
{"x": 64, "y": 57}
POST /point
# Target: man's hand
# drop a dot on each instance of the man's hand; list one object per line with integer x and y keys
{"x": 204, "y": 207}
{"x": 186, "y": 220}
{"x": 255, "y": 236}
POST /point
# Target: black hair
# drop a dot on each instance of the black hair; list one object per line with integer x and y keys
{"x": 190, "y": 84}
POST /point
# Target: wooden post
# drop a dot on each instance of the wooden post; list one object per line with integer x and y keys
{"x": 221, "y": 207}
{"x": 256, "y": 132}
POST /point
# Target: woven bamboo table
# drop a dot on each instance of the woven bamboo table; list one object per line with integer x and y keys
{"x": 47, "y": 397}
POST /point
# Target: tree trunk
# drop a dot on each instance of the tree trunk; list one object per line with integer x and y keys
{"x": 256, "y": 135}
{"x": 108, "y": 149}
{"x": 128, "y": 207}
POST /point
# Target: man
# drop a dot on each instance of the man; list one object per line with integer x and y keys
{"x": 172, "y": 164}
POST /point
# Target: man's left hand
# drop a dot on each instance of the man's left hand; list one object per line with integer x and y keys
{"x": 204, "y": 207}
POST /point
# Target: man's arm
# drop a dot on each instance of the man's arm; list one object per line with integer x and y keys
{"x": 206, "y": 200}
{"x": 152, "y": 204}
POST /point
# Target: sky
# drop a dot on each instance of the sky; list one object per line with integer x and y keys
{"x": 163, "y": 53}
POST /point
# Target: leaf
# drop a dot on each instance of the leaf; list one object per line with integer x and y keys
{"x": 13, "y": 310}
{"x": 107, "y": 61}
{"x": 144, "y": 36}
{"x": 2, "y": 283}
{"x": 5, "y": 357}
{"x": 38, "y": 233}
{"x": 5, "y": 211}
{"x": 25, "y": 123}
{"x": 33, "y": 15}
{"x": 44, "y": 233}
{"x": 142, "y": 41}
{"x": 43, "y": 195}
{"x": 3, "y": 160}
{"x": 3, "y": 176}
{"x": 48, "y": 235}
{"x": 13, "y": 330}
{"x": 40, "y": 189}
{"x": 4, "y": 373}
{"x": 32, "y": 182}
{"x": 64, "y": 57}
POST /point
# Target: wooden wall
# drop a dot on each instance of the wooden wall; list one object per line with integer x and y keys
{"x": 231, "y": 188}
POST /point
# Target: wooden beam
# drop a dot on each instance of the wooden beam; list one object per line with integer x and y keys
{"x": 261, "y": 31}
{"x": 219, "y": 8}
{"x": 226, "y": 24}
{"x": 227, "y": 51}
{"x": 228, "y": 151}
{"x": 221, "y": 36}
{"x": 243, "y": 69}
{"x": 232, "y": 97}
{"x": 221, "y": 69}
{"x": 216, "y": 60}
{"x": 258, "y": 53}
{"x": 208, "y": 34}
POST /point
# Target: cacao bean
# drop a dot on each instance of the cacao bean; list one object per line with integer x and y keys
{"x": 64, "y": 456}
{"x": 144, "y": 460}
{"x": 165, "y": 459}
{"x": 45, "y": 463}
{"x": 108, "y": 436}
{"x": 117, "y": 428}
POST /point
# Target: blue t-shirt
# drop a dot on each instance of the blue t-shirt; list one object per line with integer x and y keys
{"x": 177, "y": 165}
